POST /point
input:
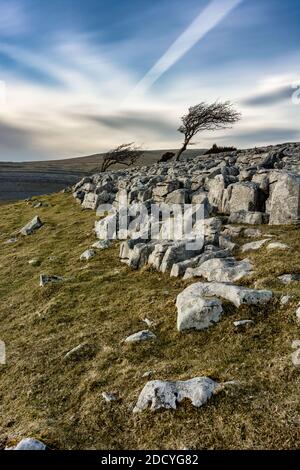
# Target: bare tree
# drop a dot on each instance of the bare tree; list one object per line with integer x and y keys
{"x": 206, "y": 117}
{"x": 124, "y": 154}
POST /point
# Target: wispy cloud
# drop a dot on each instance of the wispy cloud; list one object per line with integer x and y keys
{"x": 208, "y": 19}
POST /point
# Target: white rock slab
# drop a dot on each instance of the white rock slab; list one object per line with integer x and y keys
{"x": 143, "y": 335}
{"x": 198, "y": 314}
{"x": 159, "y": 394}
{"x": 254, "y": 246}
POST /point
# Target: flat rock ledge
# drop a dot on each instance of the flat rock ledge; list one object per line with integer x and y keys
{"x": 197, "y": 310}
{"x": 158, "y": 394}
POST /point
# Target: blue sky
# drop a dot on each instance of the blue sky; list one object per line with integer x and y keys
{"x": 75, "y": 75}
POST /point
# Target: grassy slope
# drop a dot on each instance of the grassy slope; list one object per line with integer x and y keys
{"x": 102, "y": 302}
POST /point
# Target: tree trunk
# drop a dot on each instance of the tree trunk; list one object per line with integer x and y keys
{"x": 180, "y": 152}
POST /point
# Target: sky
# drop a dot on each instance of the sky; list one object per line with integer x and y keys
{"x": 81, "y": 77}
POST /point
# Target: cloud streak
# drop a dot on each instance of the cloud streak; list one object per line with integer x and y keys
{"x": 208, "y": 19}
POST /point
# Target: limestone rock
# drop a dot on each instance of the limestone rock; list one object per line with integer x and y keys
{"x": 109, "y": 397}
{"x": 287, "y": 189}
{"x": 245, "y": 196}
{"x": 32, "y": 226}
{"x": 87, "y": 255}
{"x": 288, "y": 278}
{"x": 277, "y": 246}
{"x": 45, "y": 279}
{"x": 236, "y": 294}
{"x": 164, "y": 394}
{"x": 29, "y": 444}
{"x": 199, "y": 314}
{"x": 144, "y": 335}
{"x": 82, "y": 351}
{"x": 224, "y": 269}
{"x": 241, "y": 323}
{"x": 252, "y": 233}
{"x": 102, "y": 244}
{"x": 247, "y": 217}
{"x": 254, "y": 246}
{"x": 296, "y": 358}
{"x": 286, "y": 299}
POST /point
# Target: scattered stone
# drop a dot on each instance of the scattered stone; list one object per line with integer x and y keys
{"x": 286, "y": 299}
{"x": 102, "y": 244}
{"x": 87, "y": 255}
{"x": 164, "y": 394}
{"x": 288, "y": 278}
{"x": 296, "y": 344}
{"x": 29, "y": 444}
{"x": 32, "y": 226}
{"x": 298, "y": 314}
{"x": 296, "y": 358}
{"x": 277, "y": 246}
{"x": 80, "y": 352}
{"x": 34, "y": 262}
{"x": 253, "y": 246}
{"x": 199, "y": 314}
{"x": 144, "y": 335}
{"x": 109, "y": 397}
{"x": 148, "y": 374}
{"x": 45, "y": 279}
{"x": 10, "y": 241}
{"x": 240, "y": 323}
{"x": 147, "y": 321}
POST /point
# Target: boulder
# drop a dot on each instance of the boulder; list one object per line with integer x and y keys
{"x": 164, "y": 394}
{"x": 32, "y": 226}
{"x": 235, "y": 294}
{"x": 284, "y": 204}
{"x": 198, "y": 314}
{"x": 245, "y": 196}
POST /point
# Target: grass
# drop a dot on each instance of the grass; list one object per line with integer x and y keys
{"x": 102, "y": 302}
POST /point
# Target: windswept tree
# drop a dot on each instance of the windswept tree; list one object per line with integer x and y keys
{"x": 206, "y": 117}
{"x": 124, "y": 154}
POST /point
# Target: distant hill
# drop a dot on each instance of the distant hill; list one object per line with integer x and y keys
{"x": 20, "y": 180}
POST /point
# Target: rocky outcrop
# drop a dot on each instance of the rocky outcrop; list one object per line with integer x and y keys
{"x": 249, "y": 185}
